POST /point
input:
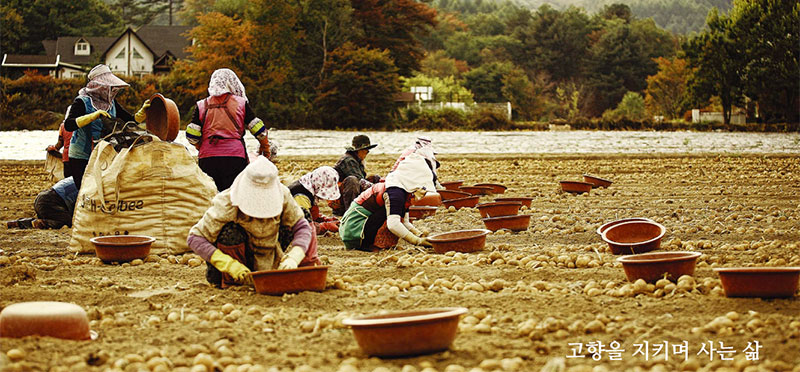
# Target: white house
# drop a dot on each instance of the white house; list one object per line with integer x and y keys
{"x": 737, "y": 117}
{"x": 148, "y": 50}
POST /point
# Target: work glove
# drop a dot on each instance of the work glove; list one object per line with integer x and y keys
{"x": 323, "y": 227}
{"x": 414, "y": 230}
{"x": 229, "y": 265}
{"x": 141, "y": 115}
{"x": 84, "y": 120}
{"x": 292, "y": 258}
{"x": 263, "y": 148}
{"x": 413, "y": 239}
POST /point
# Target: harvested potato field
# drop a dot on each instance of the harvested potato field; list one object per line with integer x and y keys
{"x": 551, "y": 297}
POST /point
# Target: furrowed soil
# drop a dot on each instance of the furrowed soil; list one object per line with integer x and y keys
{"x": 537, "y": 299}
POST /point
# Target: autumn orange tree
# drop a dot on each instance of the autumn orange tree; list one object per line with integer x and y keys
{"x": 667, "y": 90}
{"x": 219, "y": 42}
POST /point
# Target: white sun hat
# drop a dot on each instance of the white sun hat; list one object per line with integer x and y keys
{"x": 257, "y": 190}
{"x": 412, "y": 174}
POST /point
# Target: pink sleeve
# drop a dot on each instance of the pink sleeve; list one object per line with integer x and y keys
{"x": 301, "y": 233}
{"x": 201, "y": 246}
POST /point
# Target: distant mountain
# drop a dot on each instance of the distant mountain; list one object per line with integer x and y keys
{"x": 678, "y": 16}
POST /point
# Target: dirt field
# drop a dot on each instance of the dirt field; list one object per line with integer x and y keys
{"x": 533, "y": 297}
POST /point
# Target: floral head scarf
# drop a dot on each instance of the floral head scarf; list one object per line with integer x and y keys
{"x": 322, "y": 182}
{"x": 102, "y": 87}
{"x": 224, "y": 81}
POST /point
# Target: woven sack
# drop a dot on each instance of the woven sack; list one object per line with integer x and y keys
{"x": 149, "y": 188}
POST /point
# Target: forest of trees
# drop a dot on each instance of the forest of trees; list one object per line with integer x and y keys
{"x": 339, "y": 63}
{"x": 677, "y": 16}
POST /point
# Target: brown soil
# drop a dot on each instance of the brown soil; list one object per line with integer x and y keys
{"x": 532, "y": 296}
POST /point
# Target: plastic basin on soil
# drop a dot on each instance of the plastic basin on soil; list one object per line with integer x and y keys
{"x": 430, "y": 199}
{"x": 278, "y": 282}
{"x": 497, "y": 209}
{"x": 513, "y": 223}
{"x": 45, "y": 318}
{"x": 759, "y": 281}
{"x": 476, "y": 190}
{"x": 634, "y": 237}
{"x": 464, "y": 241}
{"x": 656, "y": 265}
{"x": 467, "y": 202}
{"x": 606, "y": 225}
{"x": 406, "y": 333}
{"x": 496, "y": 187}
{"x": 596, "y": 181}
{"x": 451, "y": 194}
{"x": 452, "y": 185}
{"x": 526, "y": 201}
{"x": 575, "y": 187}
{"x": 122, "y": 248}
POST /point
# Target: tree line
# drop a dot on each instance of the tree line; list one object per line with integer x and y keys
{"x": 340, "y": 63}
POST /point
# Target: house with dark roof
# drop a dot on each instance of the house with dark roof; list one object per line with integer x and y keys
{"x": 148, "y": 50}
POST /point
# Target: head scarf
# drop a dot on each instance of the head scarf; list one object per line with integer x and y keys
{"x": 224, "y": 81}
{"x": 423, "y": 141}
{"x": 102, "y": 87}
{"x": 412, "y": 174}
{"x": 322, "y": 182}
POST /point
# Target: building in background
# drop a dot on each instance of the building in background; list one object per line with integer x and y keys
{"x": 148, "y": 50}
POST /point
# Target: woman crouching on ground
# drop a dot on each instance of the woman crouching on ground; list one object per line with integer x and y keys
{"x": 378, "y": 217}
{"x": 319, "y": 184}
{"x": 243, "y": 223}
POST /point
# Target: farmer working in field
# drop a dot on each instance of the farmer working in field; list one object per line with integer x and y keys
{"x": 378, "y": 218}
{"x": 253, "y": 225}
{"x": 352, "y": 173}
{"x": 218, "y": 127}
{"x": 64, "y": 137}
{"x": 321, "y": 183}
{"x": 94, "y": 101}
{"x": 54, "y": 207}
{"x": 430, "y": 156}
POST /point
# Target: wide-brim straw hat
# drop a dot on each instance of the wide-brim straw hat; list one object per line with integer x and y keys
{"x": 361, "y": 142}
{"x": 257, "y": 190}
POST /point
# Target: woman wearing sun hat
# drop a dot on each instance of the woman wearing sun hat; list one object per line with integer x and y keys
{"x": 239, "y": 233}
{"x": 352, "y": 173}
{"x": 321, "y": 183}
{"x": 378, "y": 218}
{"x": 423, "y": 146}
{"x": 94, "y": 101}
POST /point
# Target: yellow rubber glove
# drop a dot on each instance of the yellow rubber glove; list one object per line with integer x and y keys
{"x": 292, "y": 258}
{"x": 84, "y": 120}
{"x": 141, "y": 115}
{"x": 227, "y": 264}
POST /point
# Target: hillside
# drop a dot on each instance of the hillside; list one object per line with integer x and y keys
{"x": 678, "y": 16}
